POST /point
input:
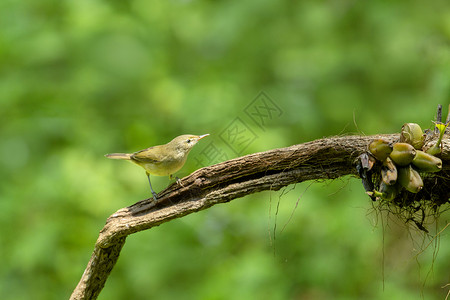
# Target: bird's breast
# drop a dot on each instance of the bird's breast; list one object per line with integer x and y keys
{"x": 165, "y": 167}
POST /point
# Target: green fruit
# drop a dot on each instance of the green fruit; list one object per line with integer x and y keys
{"x": 388, "y": 192}
{"x": 380, "y": 149}
{"x": 389, "y": 172}
{"x": 426, "y": 162}
{"x": 410, "y": 179}
{"x": 412, "y": 134}
{"x": 402, "y": 154}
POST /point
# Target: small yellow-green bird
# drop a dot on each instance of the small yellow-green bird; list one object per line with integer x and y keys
{"x": 162, "y": 160}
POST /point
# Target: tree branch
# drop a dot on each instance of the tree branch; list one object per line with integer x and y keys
{"x": 327, "y": 158}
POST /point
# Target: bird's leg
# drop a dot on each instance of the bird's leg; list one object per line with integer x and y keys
{"x": 153, "y": 192}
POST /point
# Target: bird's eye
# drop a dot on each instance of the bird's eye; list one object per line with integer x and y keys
{"x": 188, "y": 141}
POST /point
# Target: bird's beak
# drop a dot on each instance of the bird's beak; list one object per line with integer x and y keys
{"x": 202, "y": 136}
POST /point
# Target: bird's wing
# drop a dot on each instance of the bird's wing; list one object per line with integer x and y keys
{"x": 147, "y": 156}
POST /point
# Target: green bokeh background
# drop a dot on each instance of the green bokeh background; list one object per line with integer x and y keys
{"x": 83, "y": 78}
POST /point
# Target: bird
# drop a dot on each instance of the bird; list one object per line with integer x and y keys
{"x": 162, "y": 160}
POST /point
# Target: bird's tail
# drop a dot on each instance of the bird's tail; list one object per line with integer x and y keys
{"x": 125, "y": 156}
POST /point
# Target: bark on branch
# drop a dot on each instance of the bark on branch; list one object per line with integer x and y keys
{"x": 327, "y": 158}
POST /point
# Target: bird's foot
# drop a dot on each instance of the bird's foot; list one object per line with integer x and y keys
{"x": 154, "y": 196}
{"x": 178, "y": 180}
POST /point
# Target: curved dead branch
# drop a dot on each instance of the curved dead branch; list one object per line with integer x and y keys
{"x": 327, "y": 158}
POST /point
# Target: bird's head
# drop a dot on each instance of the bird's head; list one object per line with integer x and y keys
{"x": 186, "y": 142}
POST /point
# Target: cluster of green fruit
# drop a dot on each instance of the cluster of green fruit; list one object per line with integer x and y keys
{"x": 402, "y": 162}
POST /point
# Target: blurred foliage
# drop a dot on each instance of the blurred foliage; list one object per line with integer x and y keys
{"x": 83, "y": 78}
